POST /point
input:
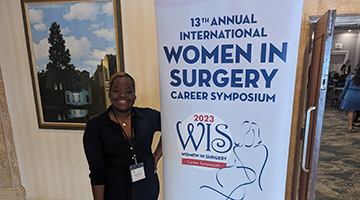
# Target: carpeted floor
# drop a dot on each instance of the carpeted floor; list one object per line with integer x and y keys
{"x": 338, "y": 174}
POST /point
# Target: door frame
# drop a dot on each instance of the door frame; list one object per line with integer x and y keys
{"x": 298, "y": 117}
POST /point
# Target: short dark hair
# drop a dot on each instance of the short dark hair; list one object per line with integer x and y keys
{"x": 120, "y": 75}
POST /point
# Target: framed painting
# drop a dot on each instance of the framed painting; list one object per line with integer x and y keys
{"x": 74, "y": 47}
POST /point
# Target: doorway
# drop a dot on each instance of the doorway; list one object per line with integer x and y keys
{"x": 338, "y": 175}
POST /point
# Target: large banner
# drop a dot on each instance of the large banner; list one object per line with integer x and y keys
{"x": 227, "y": 77}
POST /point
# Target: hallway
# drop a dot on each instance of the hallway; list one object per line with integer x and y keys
{"x": 338, "y": 174}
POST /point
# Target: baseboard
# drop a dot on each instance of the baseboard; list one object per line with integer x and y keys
{"x": 13, "y": 193}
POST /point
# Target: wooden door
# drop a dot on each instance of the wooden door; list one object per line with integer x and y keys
{"x": 316, "y": 94}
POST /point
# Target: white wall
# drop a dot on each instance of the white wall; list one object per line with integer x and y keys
{"x": 52, "y": 162}
{"x": 349, "y": 41}
{"x": 140, "y": 47}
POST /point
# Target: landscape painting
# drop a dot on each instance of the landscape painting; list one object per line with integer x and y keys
{"x": 72, "y": 51}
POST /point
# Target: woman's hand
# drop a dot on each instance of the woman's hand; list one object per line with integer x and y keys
{"x": 157, "y": 154}
{"x": 156, "y": 159}
{"x": 98, "y": 192}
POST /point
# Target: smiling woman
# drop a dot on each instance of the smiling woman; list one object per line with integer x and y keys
{"x": 117, "y": 145}
{"x": 73, "y": 51}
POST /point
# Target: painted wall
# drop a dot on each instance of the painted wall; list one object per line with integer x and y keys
{"x": 52, "y": 163}
{"x": 349, "y": 41}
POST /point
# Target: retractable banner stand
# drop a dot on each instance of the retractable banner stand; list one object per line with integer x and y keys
{"x": 227, "y": 76}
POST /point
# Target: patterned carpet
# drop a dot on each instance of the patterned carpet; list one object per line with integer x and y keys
{"x": 339, "y": 161}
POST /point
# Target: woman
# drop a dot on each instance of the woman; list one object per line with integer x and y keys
{"x": 345, "y": 68}
{"x": 351, "y": 98}
{"x": 117, "y": 145}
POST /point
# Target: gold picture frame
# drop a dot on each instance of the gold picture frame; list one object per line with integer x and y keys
{"x": 73, "y": 49}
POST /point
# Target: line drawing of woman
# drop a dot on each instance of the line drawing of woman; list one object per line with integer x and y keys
{"x": 247, "y": 169}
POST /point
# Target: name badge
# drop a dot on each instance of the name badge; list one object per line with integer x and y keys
{"x": 137, "y": 172}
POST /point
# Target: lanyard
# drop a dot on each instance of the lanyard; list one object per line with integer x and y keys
{"x": 130, "y": 140}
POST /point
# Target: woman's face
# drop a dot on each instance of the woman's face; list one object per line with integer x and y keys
{"x": 122, "y": 95}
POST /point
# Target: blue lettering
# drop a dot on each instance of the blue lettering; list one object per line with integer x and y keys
{"x": 196, "y": 56}
{"x": 204, "y": 80}
{"x": 224, "y": 80}
{"x": 248, "y": 32}
{"x": 172, "y": 94}
{"x": 208, "y": 137}
{"x": 243, "y": 96}
{"x": 237, "y": 34}
{"x": 256, "y": 33}
{"x": 249, "y": 80}
{"x": 250, "y": 97}
{"x": 239, "y": 51}
{"x": 193, "y": 78}
{"x": 263, "y": 53}
{"x": 235, "y": 96}
{"x": 263, "y": 34}
{"x": 190, "y": 129}
{"x": 225, "y": 55}
{"x": 213, "y": 22}
{"x": 205, "y": 54}
{"x": 176, "y": 78}
{"x": 235, "y": 79}
{"x": 268, "y": 78}
{"x": 186, "y": 95}
{"x": 246, "y": 20}
{"x": 268, "y": 98}
{"x": 191, "y": 53}
{"x": 281, "y": 54}
{"x": 227, "y": 96}
{"x": 253, "y": 21}
{"x": 180, "y": 96}
{"x": 220, "y": 143}
{"x": 172, "y": 53}
{"x": 213, "y": 96}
